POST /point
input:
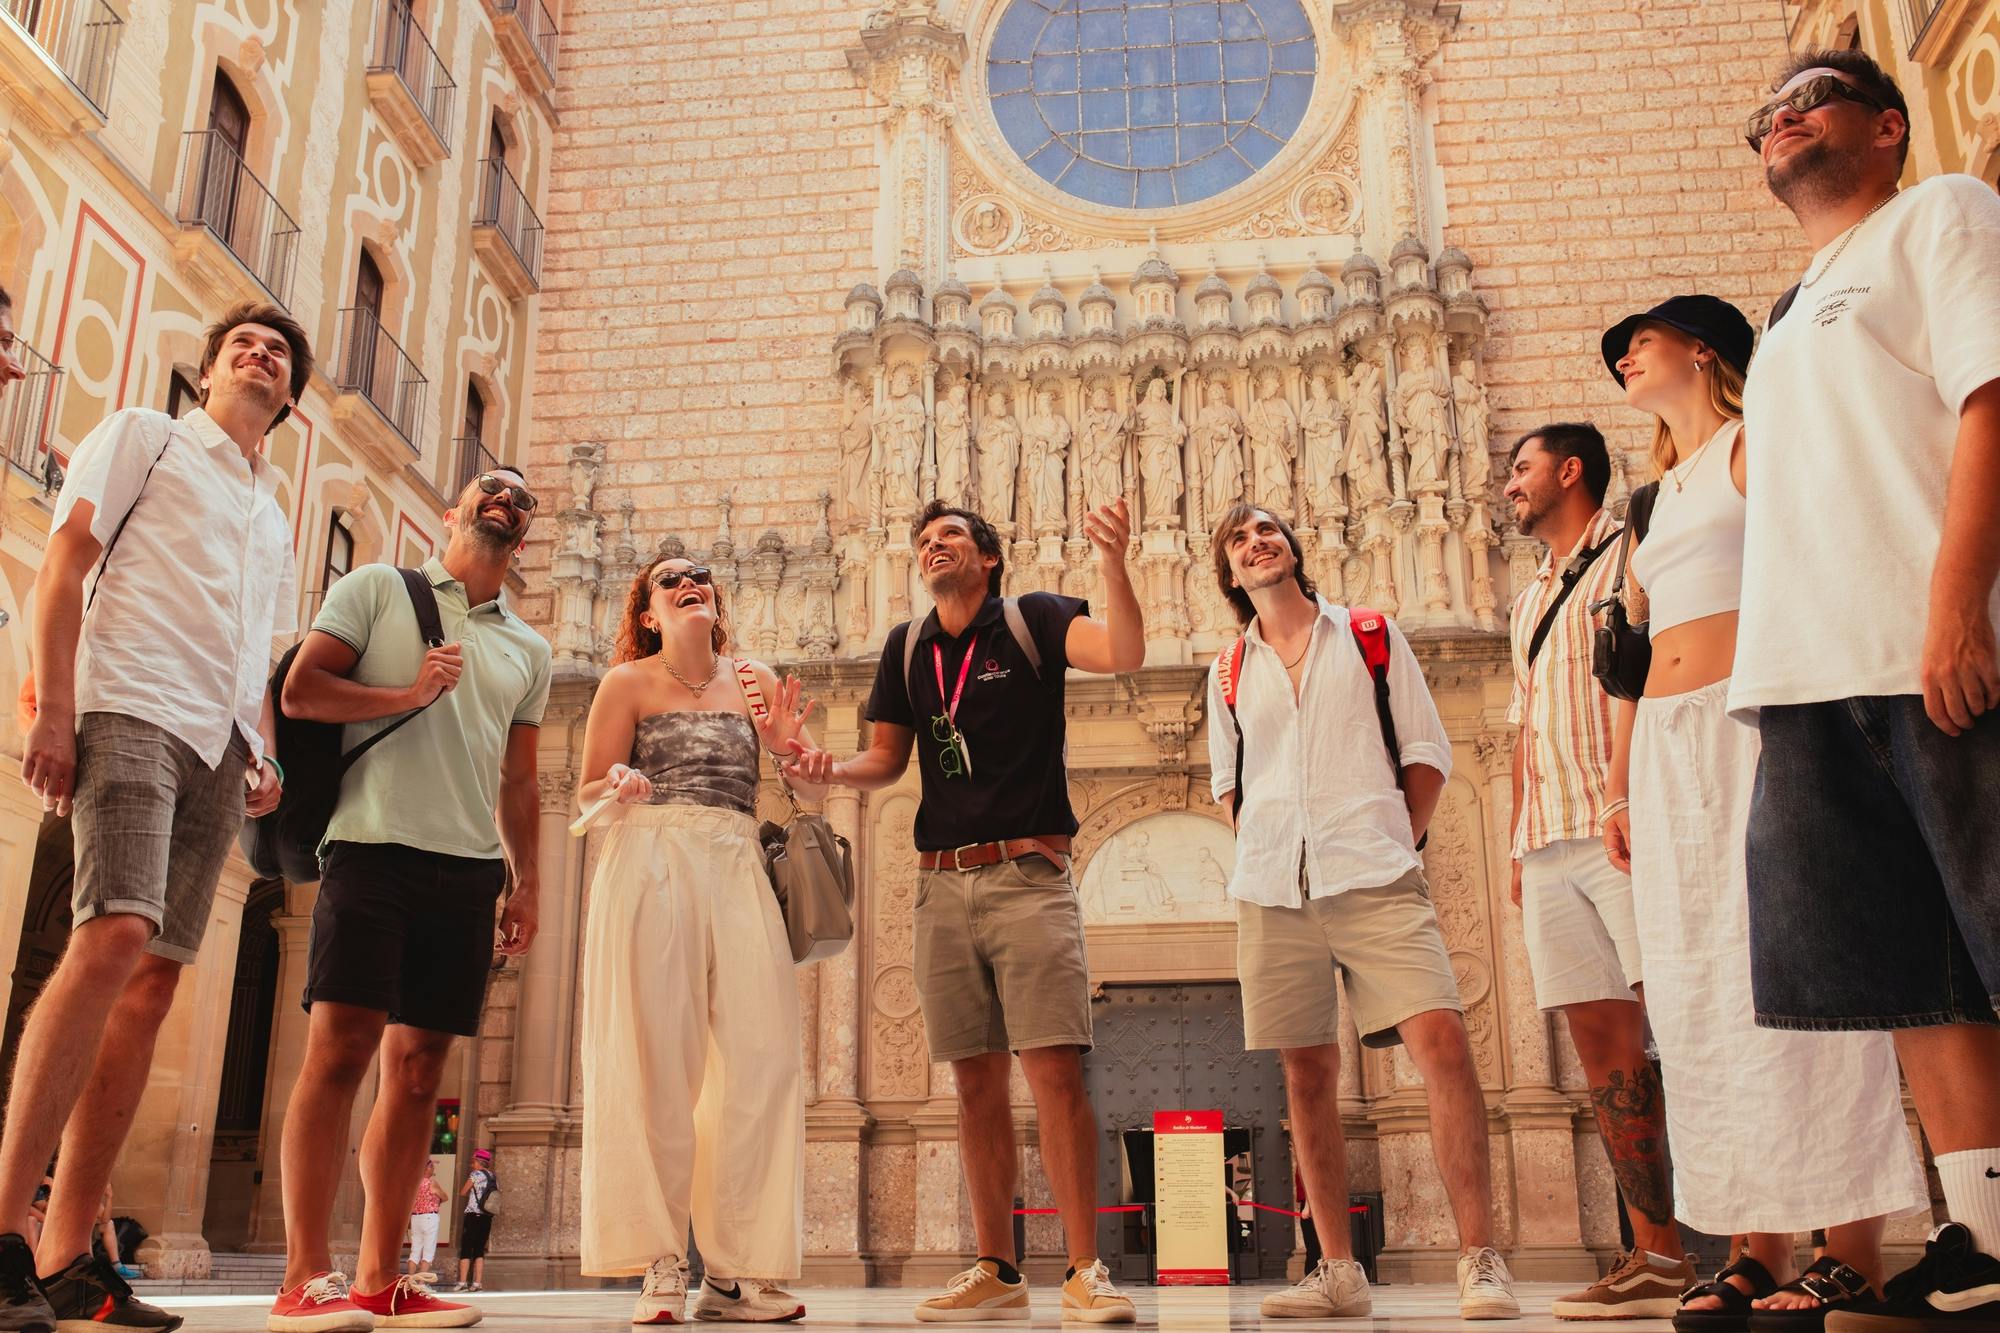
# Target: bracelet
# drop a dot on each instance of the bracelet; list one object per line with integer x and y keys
{"x": 272, "y": 760}
{"x": 1605, "y": 814}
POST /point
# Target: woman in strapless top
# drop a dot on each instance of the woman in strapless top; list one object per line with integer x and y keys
{"x": 1771, "y": 1132}
{"x": 696, "y": 1109}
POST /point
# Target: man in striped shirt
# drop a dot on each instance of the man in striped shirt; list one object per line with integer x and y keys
{"x": 1583, "y": 947}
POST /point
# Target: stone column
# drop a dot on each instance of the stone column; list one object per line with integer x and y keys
{"x": 20, "y": 831}
{"x": 163, "y": 1173}
{"x": 288, "y": 1051}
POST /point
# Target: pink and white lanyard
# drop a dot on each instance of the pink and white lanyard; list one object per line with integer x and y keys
{"x": 956, "y": 756}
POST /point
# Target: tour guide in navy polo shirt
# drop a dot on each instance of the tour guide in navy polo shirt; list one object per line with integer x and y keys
{"x": 999, "y": 939}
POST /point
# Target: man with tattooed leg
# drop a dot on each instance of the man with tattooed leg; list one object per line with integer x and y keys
{"x": 1583, "y": 946}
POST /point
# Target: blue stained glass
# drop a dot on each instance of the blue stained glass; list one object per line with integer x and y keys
{"x": 1150, "y": 103}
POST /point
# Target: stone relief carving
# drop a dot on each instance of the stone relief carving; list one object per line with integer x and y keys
{"x": 1423, "y": 406}
{"x": 999, "y": 456}
{"x": 899, "y": 444}
{"x": 986, "y": 224}
{"x": 1273, "y": 430}
{"x": 1453, "y": 864}
{"x": 1161, "y": 434}
{"x": 1367, "y": 426}
{"x": 1047, "y": 439}
{"x": 899, "y": 1063}
{"x": 1172, "y": 866}
{"x": 1322, "y": 422}
{"x": 1218, "y": 436}
{"x": 954, "y": 446}
{"x": 1101, "y": 457}
{"x": 857, "y": 457}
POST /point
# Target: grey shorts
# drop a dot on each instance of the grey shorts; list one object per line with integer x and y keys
{"x": 152, "y": 826}
{"x": 1000, "y": 963}
{"x": 1387, "y": 942}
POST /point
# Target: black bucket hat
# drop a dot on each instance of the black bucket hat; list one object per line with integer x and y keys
{"x": 1709, "y": 318}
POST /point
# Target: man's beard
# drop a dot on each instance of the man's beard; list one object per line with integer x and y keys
{"x": 1816, "y": 177}
{"x": 1536, "y": 512}
{"x": 959, "y": 578}
{"x": 492, "y": 534}
{"x": 1262, "y": 576}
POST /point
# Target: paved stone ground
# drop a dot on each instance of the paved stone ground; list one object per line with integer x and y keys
{"x": 1415, "y": 1309}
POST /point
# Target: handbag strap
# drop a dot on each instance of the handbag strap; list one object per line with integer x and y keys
{"x": 1638, "y": 517}
{"x": 1571, "y": 577}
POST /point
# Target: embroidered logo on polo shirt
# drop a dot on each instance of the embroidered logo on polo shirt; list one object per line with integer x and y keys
{"x": 993, "y": 670}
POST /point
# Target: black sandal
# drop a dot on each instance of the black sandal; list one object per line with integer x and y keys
{"x": 1733, "y": 1315}
{"x": 1832, "y": 1283}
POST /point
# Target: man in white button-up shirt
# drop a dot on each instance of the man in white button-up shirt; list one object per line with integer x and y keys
{"x": 152, "y": 718}
{"x": 1328, "y": 880}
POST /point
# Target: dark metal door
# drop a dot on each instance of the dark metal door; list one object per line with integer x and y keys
{"x": 1168, "y": 1048}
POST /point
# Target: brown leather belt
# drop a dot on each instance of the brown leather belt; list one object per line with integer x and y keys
{"x": 1055, "y": 848}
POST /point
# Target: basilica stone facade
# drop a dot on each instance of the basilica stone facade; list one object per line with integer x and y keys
{"x": 814, "y": 264}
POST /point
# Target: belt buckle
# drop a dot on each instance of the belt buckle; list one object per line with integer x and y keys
{"x": 957, "y": 862}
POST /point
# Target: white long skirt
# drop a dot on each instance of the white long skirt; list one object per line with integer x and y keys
{"x": 1770, "y": 1131}
{"x": 693, "y": 1100}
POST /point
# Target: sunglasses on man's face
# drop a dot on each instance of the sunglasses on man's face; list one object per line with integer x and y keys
{"x": 669, "y": 579}
{"x": 1814, "y": 92}
{"x": 520, "y": 497}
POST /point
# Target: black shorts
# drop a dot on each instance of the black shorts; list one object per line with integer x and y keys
{"x": 473, "y": 1230}
{"x": 406, "y": 932}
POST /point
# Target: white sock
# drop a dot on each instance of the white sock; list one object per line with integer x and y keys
{"x": 1972, "y": 1193}
{"x": 1661, "y": 1260}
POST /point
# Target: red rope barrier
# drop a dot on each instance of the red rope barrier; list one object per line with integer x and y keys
{"x": 1142, "y": 1207}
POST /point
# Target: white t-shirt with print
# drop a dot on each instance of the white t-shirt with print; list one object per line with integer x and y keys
{"x": 1851, "y": 421}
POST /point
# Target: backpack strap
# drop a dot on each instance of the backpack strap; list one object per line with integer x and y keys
{"x": 423, "y": 600}
{"x": 910, "y": 660}
{"x": 753, "y": 693}
{"x": 1229, "y": 675}
{"x": 1571, "y": 577}
{"x": 1371, "y": 636}
{"x": 1017, "y": 625}
{"x": 104, "y": 561}
{"x": 1781, "y": 305}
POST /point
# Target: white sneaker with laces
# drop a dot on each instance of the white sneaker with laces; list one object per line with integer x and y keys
{"x": 1337, "y": 1289}
{"x": 664, "y": 1297}
{"x": 1485, "y": 1287}
{"x": 754, "y": 1303}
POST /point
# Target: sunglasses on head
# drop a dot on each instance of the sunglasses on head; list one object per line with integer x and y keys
{"x": 520, "y": 497}
{"x": 1812, "y": 93}
{"x": 669, "y": 579}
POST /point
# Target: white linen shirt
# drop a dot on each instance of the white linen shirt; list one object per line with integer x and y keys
{"x": 1316, "y": 777}
{"x": 198, "y": 583}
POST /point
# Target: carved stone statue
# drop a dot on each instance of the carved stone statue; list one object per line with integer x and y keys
{"x": 1218, "y": 440}
{"x": 954, "y": 446}
{"x": 1274, "y": 445}
{"x": 1101, "y": 459}
{"x": 857, "y": 445}
{"x": 1321, "y": 422}
{"x": 900, "y": 437}
{"x": 999, "y": 458}
{"x": 1423, "y": 412}
{"x": 1160, "y": 433}
{"x": 1475, "y": 431}
{"x": 1048, "y": 437}
{"x": 1367, "y": 426}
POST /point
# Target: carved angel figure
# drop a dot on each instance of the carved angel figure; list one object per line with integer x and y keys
{"x": 1321, "y": 422}
{"x": 1161, "y": 433}
{"x": 1367, "y": 426}
{"x": 1218, "y": 439}
{"x": 1274, "y": 446}
{"x": 999, "y": 458}
{"x": 954, "y": 446}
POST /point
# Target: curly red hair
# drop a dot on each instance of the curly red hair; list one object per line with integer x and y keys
{"x": 636, "y": 640}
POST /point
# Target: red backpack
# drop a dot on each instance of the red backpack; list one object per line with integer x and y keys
{"x": 1371, "y": 636}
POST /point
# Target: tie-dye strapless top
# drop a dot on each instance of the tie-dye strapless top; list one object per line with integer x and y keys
{"x": 699, "y": 758}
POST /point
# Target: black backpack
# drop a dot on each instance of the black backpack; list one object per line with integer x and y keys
{"x": 286, "y": 841}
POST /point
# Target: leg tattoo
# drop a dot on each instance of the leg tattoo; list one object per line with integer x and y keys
{"x": 1632, "y": 1117}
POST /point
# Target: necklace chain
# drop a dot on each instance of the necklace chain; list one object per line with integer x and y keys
{"x": 714, "y": 665}
{"x": 1845, "y": 237}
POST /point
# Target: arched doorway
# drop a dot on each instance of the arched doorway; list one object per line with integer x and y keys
{"x": 234, "y": 1168}
{"x": 44, "y": 926}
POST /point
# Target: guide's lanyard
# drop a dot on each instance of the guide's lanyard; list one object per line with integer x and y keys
{"x": 944, "y": 729}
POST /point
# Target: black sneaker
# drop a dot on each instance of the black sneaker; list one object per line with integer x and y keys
{"x": 90, "y": 1297}
{"x": 23, "y": 1308}
{"x": 1953, "y": 1287}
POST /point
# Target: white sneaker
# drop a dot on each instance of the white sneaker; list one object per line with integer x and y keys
{"x": 1337, "y": 1289}
{"x": 1485, "y": 1287}
{"x": 753, "y": 1303}
{"x": 664, "y": 1296}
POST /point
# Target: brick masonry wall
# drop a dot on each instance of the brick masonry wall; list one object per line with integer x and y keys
{"x": 712, "y": 194}
{"x": 1593, "y": 165}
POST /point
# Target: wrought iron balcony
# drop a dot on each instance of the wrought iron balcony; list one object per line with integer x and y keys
{"x": 506, "y": 232}
{"x": 472, "y": 458}
{"x": 408, "y": 85}
{"x": 528, "y": 35}
{"x": 28, "y": 415}
{"x": 224, "y": 197}
{"x": 80, "y": 36}
{"x": 374, "y": 366}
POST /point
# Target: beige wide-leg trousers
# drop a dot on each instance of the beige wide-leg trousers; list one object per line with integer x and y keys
{"x": 693, "y": 1104}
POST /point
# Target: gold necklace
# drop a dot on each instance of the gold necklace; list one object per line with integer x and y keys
{"x": 1302, "y": 653}
{"x": 1845, "y": 237}
{"x": 714, "y": 665}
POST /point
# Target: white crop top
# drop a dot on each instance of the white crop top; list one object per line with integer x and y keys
{"x": 1691, "y": 562}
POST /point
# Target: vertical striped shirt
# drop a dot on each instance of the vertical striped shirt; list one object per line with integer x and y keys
{"x": 1568, "y": 715}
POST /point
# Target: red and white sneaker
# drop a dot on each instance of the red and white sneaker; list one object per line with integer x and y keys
{"x": 319, "y": 1304}
{"x": 408, "y": 1303}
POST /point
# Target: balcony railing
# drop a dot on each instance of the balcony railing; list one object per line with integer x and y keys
{"x": 222, "y": 194}
{"x": 28, "y": 414}
{"x": 374, "y": 365}
{"x": 81, "y": 36}
{"x": 473, "y": 458}
{"x": 533, "y": 16}
{"x": 504, "y": 207}
{"x": 403, "y": 49}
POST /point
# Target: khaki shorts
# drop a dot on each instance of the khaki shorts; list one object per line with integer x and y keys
{"x": 999, "y": 955}
{"x": 1387, "y": 942}
{"x": 1578, "y": 921}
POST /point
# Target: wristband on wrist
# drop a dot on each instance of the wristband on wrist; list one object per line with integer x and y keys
{"x": 272, "y": 760}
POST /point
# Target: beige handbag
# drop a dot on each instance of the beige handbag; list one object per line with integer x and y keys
{"x": 811, "y": 867}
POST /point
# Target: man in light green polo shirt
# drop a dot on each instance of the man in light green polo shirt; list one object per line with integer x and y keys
{"x": 428, "y": 825}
